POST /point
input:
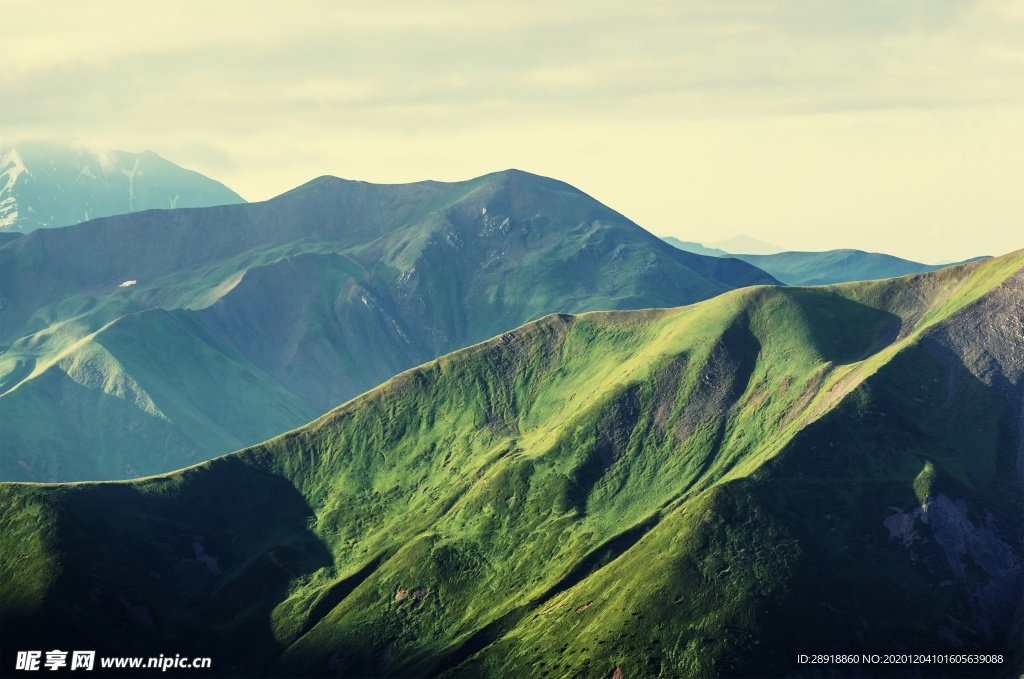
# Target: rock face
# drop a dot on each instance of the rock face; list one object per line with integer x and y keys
{"x": 46, "y": 185}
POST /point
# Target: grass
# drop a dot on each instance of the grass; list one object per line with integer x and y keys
{"x": 698, "y": 491}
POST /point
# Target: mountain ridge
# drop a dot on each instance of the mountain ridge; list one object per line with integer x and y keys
{"x": 657, "y": 490}
{"x": 372, "y": 279}
{"x": 826, "y": 267}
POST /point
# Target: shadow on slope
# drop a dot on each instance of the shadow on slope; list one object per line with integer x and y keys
{"x": 907, "y": 505}
{"x": 221, "y": 544}
{"x": 498, "y": 481}
{"x": 887, "y": 526}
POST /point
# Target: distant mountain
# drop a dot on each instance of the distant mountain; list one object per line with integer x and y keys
{"x": 695, "y": 248}
{"x": 823, "y": 268}
{"x": 837, "y": 266}
{"x": 746, "y": 244}
{"x": 141, "y": 343}
{"x": 44, "y": 184}
{"x": 697, "y": 492}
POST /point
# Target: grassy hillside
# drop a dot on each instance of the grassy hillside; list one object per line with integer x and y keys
{"x": 291, "y": 307}
{"x": 702, "y": 491}
{"x": 127, "y": 382}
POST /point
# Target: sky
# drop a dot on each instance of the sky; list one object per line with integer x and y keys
{"x": 885, "y": 125}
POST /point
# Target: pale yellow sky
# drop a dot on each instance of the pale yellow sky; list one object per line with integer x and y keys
{"x": 894, "y": 126}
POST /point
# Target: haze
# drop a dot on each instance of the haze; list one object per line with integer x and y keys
{"x": 885, "y": 126}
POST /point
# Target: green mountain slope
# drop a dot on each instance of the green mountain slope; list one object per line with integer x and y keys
{"x": 126, "y": 382}
{"x": 823, "y": 268}
{"x": 701, "y": 491}
{"x": 306, "y": 300}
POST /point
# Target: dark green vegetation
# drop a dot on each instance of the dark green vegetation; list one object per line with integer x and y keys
{"x": 694, "y": 492}
{"x": 822, "y": 268}
{"x": 248, "y": 320}
{"x": 46, "y": 185}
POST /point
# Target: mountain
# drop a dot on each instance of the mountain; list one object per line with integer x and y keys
{"x": 702, "y": 491}
{"x": 141, "y": 343}
{"x": 822, "y": 268}
{"x": 45, "y": 184}
{"x": 837, "y": 266}
{"x": 695, "y": 248}
{"x": 745, "y": 244}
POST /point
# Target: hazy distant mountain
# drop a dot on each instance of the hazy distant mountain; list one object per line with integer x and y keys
{"x": 822, "y": 268}
{"x": 706, "y": 491}
{"x": 141, "y": 343}
{"x": 746, "y": 245}
{"x": 44, "y": 184}
{"x": 837, "y": 266}
{"x": 695, "y": 248}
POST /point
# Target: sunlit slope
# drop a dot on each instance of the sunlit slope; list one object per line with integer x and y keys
{"x": 700, "y": 491}
{"x": 157, "y": 382}
{"x": 315, "y": 296}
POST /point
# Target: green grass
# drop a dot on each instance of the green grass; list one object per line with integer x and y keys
{"x": 698, "y": 491}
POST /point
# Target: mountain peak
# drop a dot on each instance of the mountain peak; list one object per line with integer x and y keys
{"x": 51, "y": 184}
{"x": 522, "y": 177}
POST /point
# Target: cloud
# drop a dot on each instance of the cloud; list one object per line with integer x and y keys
{"x": 325, "y": 62}
{"x": 267, "y": 95}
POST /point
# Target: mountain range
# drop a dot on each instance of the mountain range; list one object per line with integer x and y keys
{"x": 696, "y": 248}
{"x": 48, "y": 184}
{"x": 746, "y": 244}
{"x": 145, "y": 342}
{"x": 821, "y": 268}
{"x": 702, "y": 491}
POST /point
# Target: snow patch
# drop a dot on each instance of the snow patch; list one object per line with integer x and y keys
{"x": 131, "y": 184}
{"x": 11, "y": 168}
{"x": 8, "y": 218}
